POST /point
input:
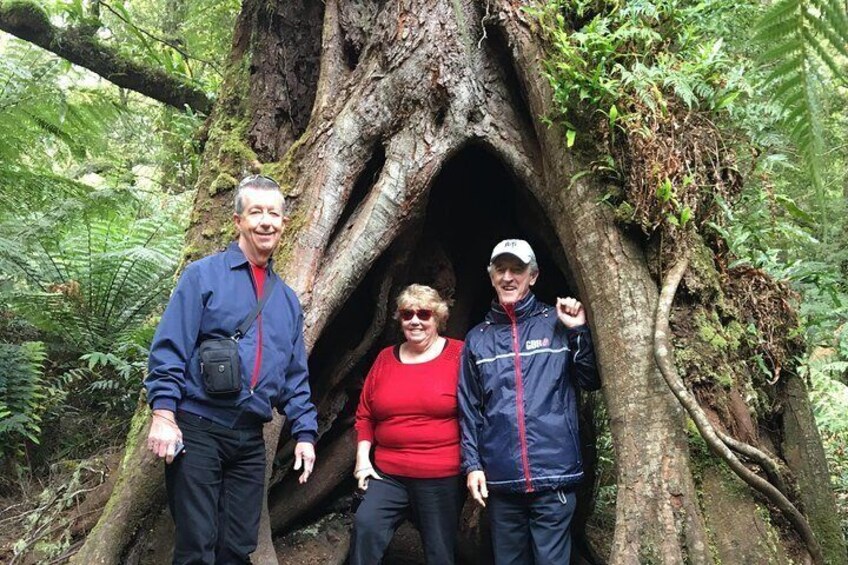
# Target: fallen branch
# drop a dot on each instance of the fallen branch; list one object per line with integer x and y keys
{"x": 81, "y": 47}
{"x": 662, "y": 352}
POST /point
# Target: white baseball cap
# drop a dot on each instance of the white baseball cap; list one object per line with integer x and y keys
{"x": 516, "y": 247}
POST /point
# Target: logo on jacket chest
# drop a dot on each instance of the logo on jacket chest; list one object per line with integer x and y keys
{"x": 532, "y": 344}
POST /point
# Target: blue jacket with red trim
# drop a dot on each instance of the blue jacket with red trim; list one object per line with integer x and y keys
{"x": 213, "y": 296}
{"x": 517, "y": 403}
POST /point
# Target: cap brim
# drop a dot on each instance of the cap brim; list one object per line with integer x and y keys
{"x": 519, "y": 257}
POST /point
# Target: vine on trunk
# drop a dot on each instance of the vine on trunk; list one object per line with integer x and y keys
{"x": 716, "y": 440}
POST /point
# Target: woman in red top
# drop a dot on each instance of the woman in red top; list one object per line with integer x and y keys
{"x": 407, "y": 413}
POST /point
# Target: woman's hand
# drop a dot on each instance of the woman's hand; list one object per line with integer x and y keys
{"x": 363, "y": 473}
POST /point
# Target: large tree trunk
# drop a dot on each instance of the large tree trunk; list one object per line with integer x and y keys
{"x": 409, "y": 137}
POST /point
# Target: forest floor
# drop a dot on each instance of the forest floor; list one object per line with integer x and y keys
{"x": 46, "y": 516}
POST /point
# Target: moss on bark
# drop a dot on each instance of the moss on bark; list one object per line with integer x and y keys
{"x": 728, "y": 510}
{"x": 23, "y": 12}
{"x": 227, "y": 158}
{"x": 805, "y": 456}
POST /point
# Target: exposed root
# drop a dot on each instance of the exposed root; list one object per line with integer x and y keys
{"x": 773, "y": 468}
{"x": 378, "y": 322}
{"x": 662, "y": 352}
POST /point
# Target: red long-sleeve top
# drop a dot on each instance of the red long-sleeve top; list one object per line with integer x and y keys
{"x": 408, "y": 411}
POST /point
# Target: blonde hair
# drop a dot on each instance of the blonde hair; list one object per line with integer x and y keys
{"x": 423, "y": 297}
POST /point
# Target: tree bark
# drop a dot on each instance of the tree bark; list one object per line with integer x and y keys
{"x": 405, "y": 92}
{"x": 657, "y": 515}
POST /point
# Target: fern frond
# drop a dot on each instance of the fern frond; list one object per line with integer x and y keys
{"x": 834, "y": 17}
{"x": 22, "y": 393}
{"x": 802, "y": 37}
{"x": 782, "y": 50}
{"x": 777, "y": 31}
{"x": 102, "y": 264}
{"x": 822, "y": 27}
{"x": 823, "y": 55}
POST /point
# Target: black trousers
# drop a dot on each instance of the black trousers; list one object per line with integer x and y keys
{"x": 531, "y": 528}
{"x": 215, "y": 490}
{"x": 435, "y": 504}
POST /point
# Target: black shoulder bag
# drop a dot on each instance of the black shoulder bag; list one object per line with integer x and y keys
{"x": 219, "y": 357}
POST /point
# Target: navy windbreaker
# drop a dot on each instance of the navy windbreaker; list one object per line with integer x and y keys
{"x": 213, "y": 296}
{"x": 517, "y": 404}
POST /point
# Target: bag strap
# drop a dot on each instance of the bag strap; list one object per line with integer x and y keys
{"x": 245, "y": 325}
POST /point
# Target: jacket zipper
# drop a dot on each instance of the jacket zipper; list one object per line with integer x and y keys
{"x": 519, "y": 400}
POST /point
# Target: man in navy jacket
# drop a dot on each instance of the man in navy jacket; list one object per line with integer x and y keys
{"x": 213, "y": 444}
{"x": 518, "y": 411}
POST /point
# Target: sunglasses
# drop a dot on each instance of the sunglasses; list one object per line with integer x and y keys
{"x": 423, "y": 314}
{"x": 250, "y": 179}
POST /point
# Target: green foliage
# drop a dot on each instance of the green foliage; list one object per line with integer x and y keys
{"x": 91, "y": 274}
{"x": 652, "y": 78}
{"x": 646, "y": 75}
{"x": 23, "y": 395}
{"x": 96, "y": 267}
{"x": 631, "y": 56}
{"x": 40, "y": 118}
{"x": 189, "y": 39}
{"x": 769, "y": 230}
{"x": 111, "y": 380}
{"x": 801, "y": 40}
{"x": 89, "y": 240}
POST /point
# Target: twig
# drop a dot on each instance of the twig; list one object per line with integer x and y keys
{"x": 13, "y": 517}
{"x": 662, "y": 352}
{"x": 70, "y": 552}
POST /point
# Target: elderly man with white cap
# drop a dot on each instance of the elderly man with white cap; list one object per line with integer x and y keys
{"x": 518, "y": 411}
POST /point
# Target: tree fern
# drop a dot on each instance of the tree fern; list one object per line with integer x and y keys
{"x": 802, "y": 38}
{"x": 96, "y": 266}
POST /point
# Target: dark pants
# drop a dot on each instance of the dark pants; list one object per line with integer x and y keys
{"x": 435, "y": 505}
{"x": 531, "y": 528}
{"x": 215, "y": 490}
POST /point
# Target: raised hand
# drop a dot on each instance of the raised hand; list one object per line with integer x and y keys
{"x": 570, "y": 312}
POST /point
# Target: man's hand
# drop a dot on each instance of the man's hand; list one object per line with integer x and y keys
{"x": 164, "y": 435}
{"x": 570, "y": 312}
{"x": 304, "y": 455}
{"x": 476, "y": 484}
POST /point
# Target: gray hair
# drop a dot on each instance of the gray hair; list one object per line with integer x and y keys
{"x": 255, "y": 182}
{"x": 533, "y": 265}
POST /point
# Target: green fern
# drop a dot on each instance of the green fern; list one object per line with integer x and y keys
{"x": 43, "y": 126}
{"x": 34, "y": 108}
{"x": 96, "y": 266}
{"x": 23, "y": 394}
{"x": 802, "y": 37}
